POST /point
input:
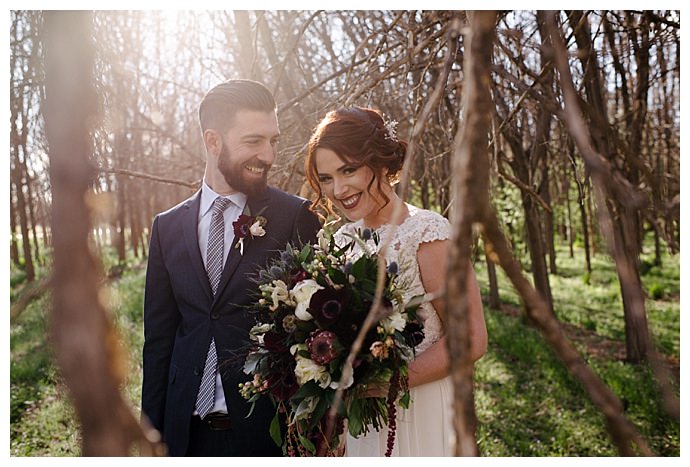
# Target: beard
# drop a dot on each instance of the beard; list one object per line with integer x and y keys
{"x": 236, "y": 177}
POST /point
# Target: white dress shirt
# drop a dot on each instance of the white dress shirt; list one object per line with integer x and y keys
{"x": 230, "y": 215}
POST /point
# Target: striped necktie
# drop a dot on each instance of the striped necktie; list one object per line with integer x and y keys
{"x": 214, "y": 268}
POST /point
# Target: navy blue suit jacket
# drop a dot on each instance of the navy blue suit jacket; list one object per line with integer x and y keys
{"x": 181, "y": 315}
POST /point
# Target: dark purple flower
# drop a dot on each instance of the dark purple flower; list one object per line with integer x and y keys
{"x": 327, "y": 304}
{"x": 241, "y": 225}
{"x": 275, "y": 342}
{"x": 322, "y": 346}
{"x": 414, "y": 334}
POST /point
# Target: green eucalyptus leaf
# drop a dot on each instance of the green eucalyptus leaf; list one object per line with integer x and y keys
{"x": 308, "y": 445}
{"x": 274, "y": 430}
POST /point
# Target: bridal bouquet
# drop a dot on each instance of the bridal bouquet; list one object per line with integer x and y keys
{"x": 311, "y": 307}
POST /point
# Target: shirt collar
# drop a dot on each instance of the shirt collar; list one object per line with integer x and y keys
{"x": 208, "y": 196}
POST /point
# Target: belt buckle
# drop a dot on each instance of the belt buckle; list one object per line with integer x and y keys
{"x": 218, "y": 421}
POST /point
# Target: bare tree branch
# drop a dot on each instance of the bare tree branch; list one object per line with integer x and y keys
{"x": 471, "y": 188}
{"x": 130, "y": 173}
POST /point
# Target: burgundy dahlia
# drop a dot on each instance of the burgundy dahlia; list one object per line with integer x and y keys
{"x": 321, "y": 345}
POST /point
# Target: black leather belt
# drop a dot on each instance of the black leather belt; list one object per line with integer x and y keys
{"x": 217, "y": 421}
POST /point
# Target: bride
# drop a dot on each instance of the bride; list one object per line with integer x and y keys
{"x": 353, "y": 161}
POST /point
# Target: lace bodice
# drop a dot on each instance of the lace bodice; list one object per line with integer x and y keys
{"x": 419, "y": 227}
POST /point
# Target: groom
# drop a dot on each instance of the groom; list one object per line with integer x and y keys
{"x": 201, "y": 260}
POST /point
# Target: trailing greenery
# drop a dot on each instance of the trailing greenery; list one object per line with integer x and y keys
{"x": 527, "y": 404}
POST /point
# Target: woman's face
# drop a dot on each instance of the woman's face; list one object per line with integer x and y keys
{"x": 347, "y": 186}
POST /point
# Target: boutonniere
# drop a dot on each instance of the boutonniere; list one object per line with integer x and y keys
{"x": 248, "y": 226}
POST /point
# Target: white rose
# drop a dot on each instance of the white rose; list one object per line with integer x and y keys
{"x": 257, "y": 230}
{"x": 394, "y": 322}
{"x": 279, "y": 294}
{"x": 307, "y": 370}
{"x": 301, "y": 294}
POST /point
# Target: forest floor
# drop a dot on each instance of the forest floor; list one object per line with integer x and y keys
{"x": 596, "y": 345}
{"x": 526, "y": 402}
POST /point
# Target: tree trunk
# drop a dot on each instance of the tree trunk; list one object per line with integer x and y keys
{"x": 636, "y": 326}
{"x": 589, "y": 217}
{"x": 134, "y": 221}
{"x": 494, "y": 298}
{"x": 32, "y": 217}
{"x": 623, "y": 214}
{"x": 569, "y": 214}
{"x": 548, "y": 230}
{"x": 582, "y": 204}
{"x": 657, "y": 248}
{"x": 121, "y": 239}
{"x": 16, "y": 106}
{"x": 541, "y": 154}
{"x": 85, "y": 342}
{"x": 23, "y": 221}
{"x": 245, "y": 54}
{"x": 535, "y": 244}
{"x": 18, "y": 181}
{"x": 14, "y": 248}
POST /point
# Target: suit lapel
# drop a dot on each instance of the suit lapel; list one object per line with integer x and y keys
{"x": 190, "y": 223}
{"x": 255, "y": 204}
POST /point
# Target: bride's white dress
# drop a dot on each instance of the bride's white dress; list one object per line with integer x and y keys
{"x": 425, "y": 429}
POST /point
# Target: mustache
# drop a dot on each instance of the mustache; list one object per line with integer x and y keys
{"x": 257, "y": 163}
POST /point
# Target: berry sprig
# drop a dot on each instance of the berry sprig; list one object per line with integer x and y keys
{"x": 392, "y": 410}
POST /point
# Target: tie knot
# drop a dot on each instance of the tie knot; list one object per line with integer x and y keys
{"x": 220, "y": 204}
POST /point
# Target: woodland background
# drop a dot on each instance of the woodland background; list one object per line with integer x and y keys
{"x": 581, "y": 141}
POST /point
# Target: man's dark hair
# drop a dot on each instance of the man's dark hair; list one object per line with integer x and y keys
{"x": 220, "y": 104}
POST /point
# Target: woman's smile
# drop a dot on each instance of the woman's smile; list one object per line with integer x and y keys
{"x": 351, "y": 201}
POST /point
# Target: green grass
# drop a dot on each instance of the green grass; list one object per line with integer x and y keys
{"x": 527, "y": 403}
{"x": 42, "y": 420}
{"x": 128, "y": 302}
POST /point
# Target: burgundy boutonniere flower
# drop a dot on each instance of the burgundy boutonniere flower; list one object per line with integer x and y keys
{"x": 248, "y": 226}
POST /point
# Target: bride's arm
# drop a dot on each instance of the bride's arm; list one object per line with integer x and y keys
{"x": 434, "y": 363}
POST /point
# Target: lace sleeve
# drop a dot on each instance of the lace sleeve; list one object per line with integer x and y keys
{"x": 432, "y": 227}
{"x": 427, "y": 226}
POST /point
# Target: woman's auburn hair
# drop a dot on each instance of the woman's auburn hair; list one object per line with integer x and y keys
{"x": 359, "y": 136}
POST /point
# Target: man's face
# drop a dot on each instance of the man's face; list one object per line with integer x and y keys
{"x": 248, "y": 151}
